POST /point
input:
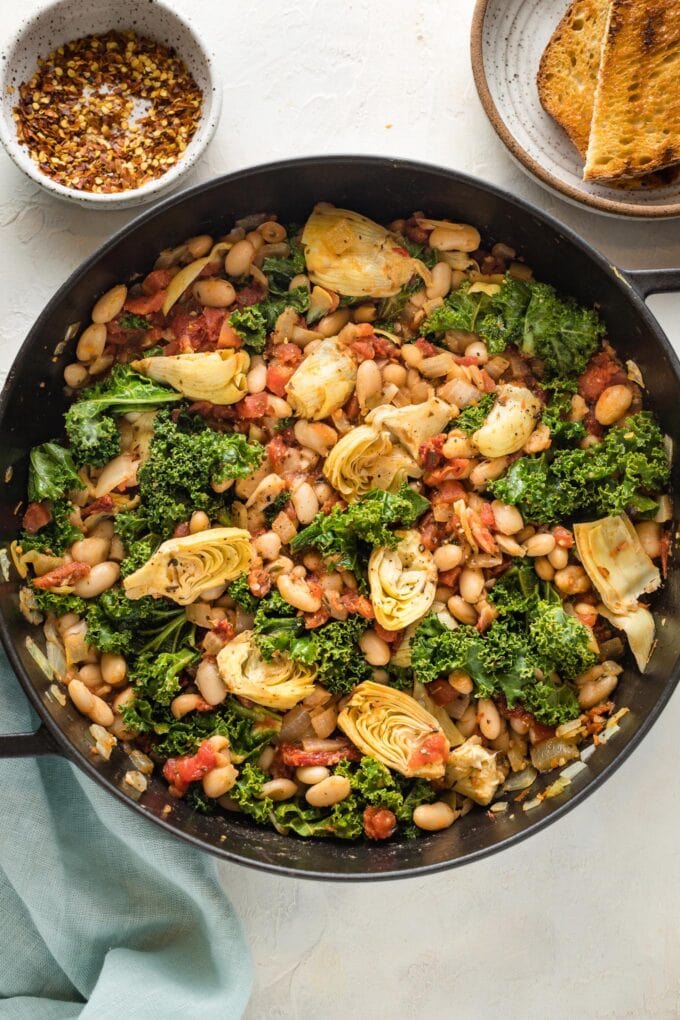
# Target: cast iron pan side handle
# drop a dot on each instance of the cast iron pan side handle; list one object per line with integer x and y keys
{"x": 28, "y": 745}
{"x": 653, "y": 281}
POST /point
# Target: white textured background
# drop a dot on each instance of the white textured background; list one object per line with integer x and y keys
{"x": 581, "y": 920}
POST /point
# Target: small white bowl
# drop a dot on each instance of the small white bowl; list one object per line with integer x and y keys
{"x": 64, "y": 20}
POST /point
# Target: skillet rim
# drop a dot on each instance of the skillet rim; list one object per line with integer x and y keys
{"x": 20, "y": 366}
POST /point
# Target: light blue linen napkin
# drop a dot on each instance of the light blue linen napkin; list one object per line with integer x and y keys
{"x": 102, "y": 914}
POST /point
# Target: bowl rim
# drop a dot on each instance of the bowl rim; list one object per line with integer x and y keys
{"x": 210, "y": 115}
{"x": 610, "y": 206}
{"x": 224, "y": 852}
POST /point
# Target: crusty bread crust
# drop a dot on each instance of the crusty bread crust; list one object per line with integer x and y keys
{"x": 567, "y": 74}
{"x": 635, "y": 127}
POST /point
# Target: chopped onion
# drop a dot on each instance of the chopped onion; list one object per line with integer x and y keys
{"x": 296, "y": 725}
{"x": 519, "y": 780}
{"x": 325, "y": 722}
{"x": 324, "y": 745}
{"x": 551, "y": 753}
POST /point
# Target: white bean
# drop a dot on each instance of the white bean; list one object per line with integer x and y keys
{"x": 488, "y": 719}
{"x": 184, "y": 703}
{"x": 331, "y": 324}
{"x": 394, "y": 374}
{"x": 613, "y": 403}
{"x": 441, "y": 281}
{"x": 471, "y": 584}
{"x": 214, "y": 293}
{"x": 114, "y": 669}
{"x": 268, "y": 545}
{"x": 376, "y": 651}
{"x": 315, "y": 436}
{"x": 477, "y": 349}
{"x": 328, "y": 792}
{"x": 89, "y": 704}
{"x": 209, "y": 682}
{"x": 199, "y": 521}
{"x": 558, "y": 558}
{"x": 279, "y": 789}
{"x": 544, "y": 568}
{"x": 508, "y": 518}
{"x": 462, "y": 610}
{"x": 310, "y": 775}
{"x": 75, "y": 375}
{"x": 91, "y": 675}
{"x": 457, "y": 237}
{"x": 305, "y": 503}
{"x": 541, "y": 544}
{"x": 219, "y": 781}
{"x": 92, "y": 342}
{"x": 101, "y": 577}
{"x": 277, "y": 407}
{"x": 110, "y": 304}
{"x": 256, "y": 379}
{"x": 595, "y": 691}
{"x": 297, "y": 593}
{"x": 448, "y": 557}
{"x": 238, "y": 259}
{"x": 90, "y": 550}
{"x": 434, "y": 817}
{"x": 198, "y": 247}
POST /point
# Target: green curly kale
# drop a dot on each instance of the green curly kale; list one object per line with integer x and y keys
{"x": 91, "y": 420}
{"x": 240, "y": 592}
{"x": 185, "y": 458}
{"x": 255, "y": 322}
{"x": 530, "y": 315}
{"x": 332, "y": 648}
{"x": 623, "y": 472}
{"x": 563, "y": 431}
{"x": 58, "y": 605}
{"x": 280, "y": 271}
{"x": 532, "y": 639}
{"x": 57, "y": 536}
{"x": 131, "y": 321}
{"x": 351, "y": 534}
{"x": 51, "y": 473}
{"x": 474, "y": 416}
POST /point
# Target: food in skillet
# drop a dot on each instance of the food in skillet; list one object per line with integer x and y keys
{"x": 349, "y": 528}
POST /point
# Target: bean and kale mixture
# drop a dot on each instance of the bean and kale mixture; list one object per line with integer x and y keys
{"x": 349, "y": 526}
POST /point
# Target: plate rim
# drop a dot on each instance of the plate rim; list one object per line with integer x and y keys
{"x": 607, "y": 205}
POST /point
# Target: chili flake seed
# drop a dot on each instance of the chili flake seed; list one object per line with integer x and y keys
{"x": 78, "y": 114}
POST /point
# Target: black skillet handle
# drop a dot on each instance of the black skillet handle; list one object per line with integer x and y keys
{"x": 28, "y": 745}
{"x": 653, "y": 281}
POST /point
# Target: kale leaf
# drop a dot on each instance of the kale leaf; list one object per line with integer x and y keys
{"x": 58, "y": 535}
{"x": 51, "y": 473}
{"x": 474, "y": 415}
{"x": 255, "y": 322}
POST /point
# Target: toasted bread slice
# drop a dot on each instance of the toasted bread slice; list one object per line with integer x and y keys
{"x": 635, "y": 128}
{"x": 567, "y": 74}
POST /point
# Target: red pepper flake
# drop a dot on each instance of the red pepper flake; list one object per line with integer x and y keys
{"x": 76, "y": 115}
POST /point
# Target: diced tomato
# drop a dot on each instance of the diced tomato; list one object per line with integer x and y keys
{"x": 390, "y": 636}
{"x": 450, "y": 492}
{"x": 102, "y": 505}
{"x": 466, "y": 361}
{"x": 157, "y": 279}
{"x": 487, "y": 614}
{"x": 297, "y": 756}
{"x": 225, "y": 629}
{"x": 415, "y": 233}
{"x": 487, "y": 516}
{"x": 450, "y": 577}
{"x": 355, "y": 603}
{"x": 276, "y": 451}
{"x": 259, "y": 582}
{"x": 484, "y": 538}
{"x": 432, "y": 751}
{"x": 250, "y": 295}
{"x": 253, "y": 406}
{"x": 213, "y": 319}
{"x": 210, "y": 269}
{"x": 430, "y": 452}
{"x": 228, "y": 337}
{"x": 602, "y": 371}
{"x": 457, "y": 467}
{"x": 427, "y": 349}
{"x": 441, "y": 692}
{"x": 189, "y": 768}
{"x": 181, "y": 530}
{"x": 364, "y": 350}
{"x": 277, "y": 377}
{"x": 384, "y": 348}
{"x": 66, "y": 574}
{"x": 36, "y": 516}
{"x": 379, "y": 822}
{"x": 288, "y": 354}
{"x": 563, "y": 537}
{"x": 538, "y": 730}
{"x": 313, "y": 620}
{"x": 143, "y": 304}
{"x": 487, "y": 383}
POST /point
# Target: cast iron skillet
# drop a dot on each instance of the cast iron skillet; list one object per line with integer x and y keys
{"x": 30, "y": 412}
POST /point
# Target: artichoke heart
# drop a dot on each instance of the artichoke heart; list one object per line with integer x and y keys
{"x": 323, "y": 382}
{"x": 392, "y": 727}
{"x": 638, "y": 627}
{"x": 351, "y": 255}
{"x": 217, "y": 376}
{"x": 182, "y": 568}
{"x": 279, "y": 684}
{"x": 474, "y": 772}
{"x": 413, "y": 424}
{"x": 367, "y": 459}
{"x": 509, "y": 423}
{"x": 403, "y": 581}
{"x": 616, "y": 563}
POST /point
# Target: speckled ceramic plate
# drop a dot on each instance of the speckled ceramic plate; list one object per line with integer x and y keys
{"x": 508, "y": 38}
